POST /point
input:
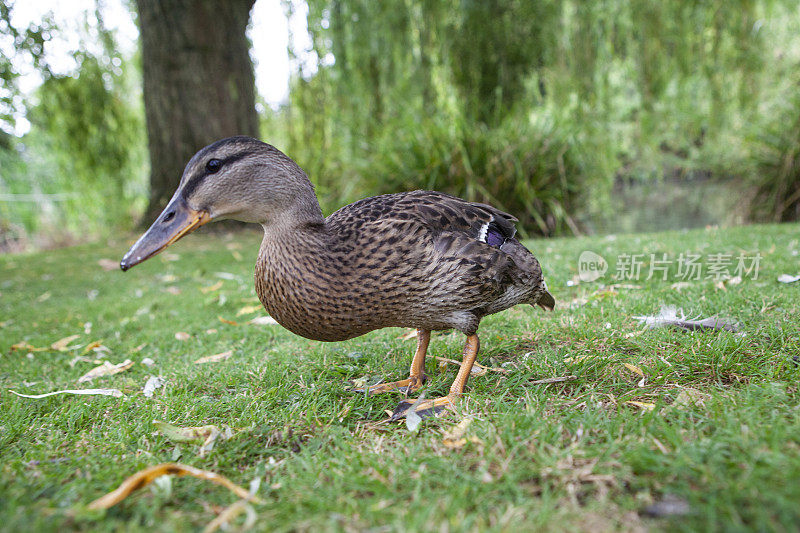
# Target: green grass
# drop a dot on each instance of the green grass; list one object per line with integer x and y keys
{"x": 568, "y": 456}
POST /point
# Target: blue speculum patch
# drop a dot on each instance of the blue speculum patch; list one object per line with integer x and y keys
{"x": 494, "y": 237}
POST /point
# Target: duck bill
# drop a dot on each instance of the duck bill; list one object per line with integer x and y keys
{"x": 177, "y": 220}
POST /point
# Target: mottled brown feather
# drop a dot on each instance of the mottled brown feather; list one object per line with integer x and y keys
{"x": 407, "y": 259}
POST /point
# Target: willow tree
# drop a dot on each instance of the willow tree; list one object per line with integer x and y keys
{"x": 198, "y": 82}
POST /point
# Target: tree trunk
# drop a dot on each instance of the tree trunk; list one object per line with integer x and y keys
{"x": 198, "y": 83}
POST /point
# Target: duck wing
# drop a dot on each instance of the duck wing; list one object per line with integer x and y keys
{"x": 466, "y": 251}
{"x": 439, "y": 212}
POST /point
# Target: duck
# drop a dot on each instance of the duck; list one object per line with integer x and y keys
{"x": 422, "y": 259}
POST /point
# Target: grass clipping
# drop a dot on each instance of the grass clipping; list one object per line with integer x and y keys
{"x": 148, "y": 475}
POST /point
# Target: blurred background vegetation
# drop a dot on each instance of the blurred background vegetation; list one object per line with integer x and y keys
{"x": 578, "y": 117}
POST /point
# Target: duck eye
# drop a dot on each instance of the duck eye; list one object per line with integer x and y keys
{"x": 213, "y": 165}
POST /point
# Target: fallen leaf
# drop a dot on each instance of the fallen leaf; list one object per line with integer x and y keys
{"x": 208, "y": 444}
{"x": 226, "y": 321}
{"x": 152, "y": 384}
{"x": 786, "y": 278}
{"x": 182, "y": 336}
{"x": 263, "y": 321}
{"x": 477, "y": 369}
{"x": 642, "y": 405}
{"x": 148, "y": 362}
{"x": 108, "y": 264}
{"x": 26, "y": 346}
{"x": 689, "y": 398}
{"x": 634, "y": 369}
{"x": 195, "y": 434}
{"x": 547, "y": 381}
{"x": 226, "y": 275}
{"x": 680, "y": 285}
{"x": 146, "y": 476}
{"x": 211, "y": 288}
{"x": 170, "y": 257}
{"x": 84, "y": 392}
{"x": 249, "y": 309}
{"x": 61, "y": 344}
{"x": 172, "y": 289}
{"x": 224, "y": 518}
{"x": 106, "y": 369}
{"x": 208, "y": 435}
{"x": 454, "y": 438}
{"x": 214, "y": 358}
{"x": 167, "y": 278}
{"x": 92, "y": 345}
{"x": 44, "y": 297}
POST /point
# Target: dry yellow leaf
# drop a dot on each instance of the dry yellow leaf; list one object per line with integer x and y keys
{"x": 182, "y": 336}
{"x": 211, "y": 288}
{"x": 24, "y": 345}
{"x": 642, "y": 405}
{"x": 91, "y": 346}
{"x": 249, "y": 309}
{"x": 634, "y": 369}
{"x": 214, "y": 358}
{"x": 189, "y": 434}
{"x": 477, "y": 369}
{"x": 226, "y": 321}
{"x": 208, "y": 435}
{"x": 454, "y": 438}
{"x": 61, "y": 344}
{"x": 106, "y": 369}
{"x": 146, "y": 476}
{"x": 227, "y": 515}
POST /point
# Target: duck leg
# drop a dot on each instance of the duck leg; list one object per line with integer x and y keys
{"x": 417, "y": 374}
{"x": 437, "y": 405}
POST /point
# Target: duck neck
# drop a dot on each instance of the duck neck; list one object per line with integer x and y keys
{"x": 303, "y": 214}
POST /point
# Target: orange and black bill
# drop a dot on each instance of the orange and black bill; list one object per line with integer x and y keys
{"x": 177, "y": 220}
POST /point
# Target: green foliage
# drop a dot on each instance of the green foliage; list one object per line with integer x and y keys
{"x": 22, "y": 42}
{"x": 539, "y": 106}
{"x": 777, "y": 168}
{"x": 80, "y": 171}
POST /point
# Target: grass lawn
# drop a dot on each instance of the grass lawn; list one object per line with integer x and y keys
{"x": 712, "y": 421}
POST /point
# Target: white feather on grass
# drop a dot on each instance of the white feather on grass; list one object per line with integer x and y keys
{"x": 669, "y": 316}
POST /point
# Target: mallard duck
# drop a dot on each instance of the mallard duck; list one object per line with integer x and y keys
{"x": 420, "y": 259}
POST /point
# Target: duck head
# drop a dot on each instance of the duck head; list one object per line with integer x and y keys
{"x": 237, "y": 178}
